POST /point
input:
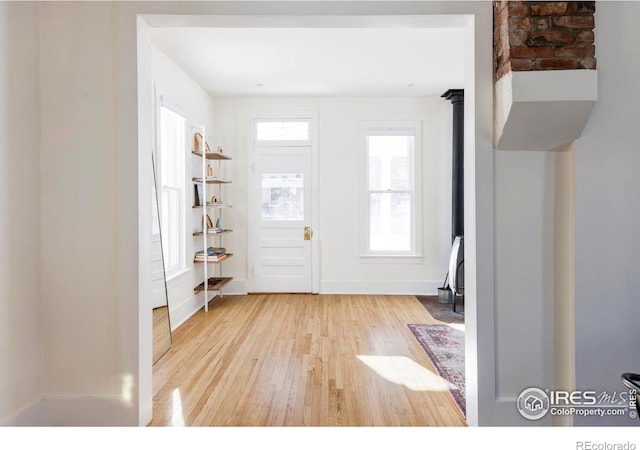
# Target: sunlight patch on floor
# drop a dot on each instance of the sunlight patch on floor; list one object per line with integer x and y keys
{"x": 177, "y": 418}
{"x": 406, "y": 372}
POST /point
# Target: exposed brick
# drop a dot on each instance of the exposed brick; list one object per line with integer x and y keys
{"x": 581, "y": 7}
{"x": 587, "y": 63}
{"x": 501, "y": 17}
{"x": 538, "y": 38}
{"x": 504, "y": 48}
{"x": 543, "y": 36}
{"x": 503, "y": 58}
{"x": 503, "y": 70}
{"x": 542, "y": 24}
{"x": 521, "y": 23}
{"x": 585, "y": 36}
{"x": 518, "y": 9}
{"x": 556, "y": 63}
{"x": 503, "y": 38}
{"x": 501, "y": 46}
{"x": 531, "y": 52}
{"x": 548, "y": 8}
{"x": 521, "y": 65}
{"x": 504, "y": 29}
{"x": 584, "y": 22}
{"x": 518, "y": 37}
{"x": 575, "y": 51}
{"x": 503, "y": 43}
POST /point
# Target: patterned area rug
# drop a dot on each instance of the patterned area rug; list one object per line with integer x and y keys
{"x": 444, "y": 345}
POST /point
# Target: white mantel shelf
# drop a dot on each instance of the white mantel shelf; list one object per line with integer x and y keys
{"x": 543, "y": 110}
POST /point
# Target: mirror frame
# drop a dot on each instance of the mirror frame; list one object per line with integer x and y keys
{"x": 156, "y": 353}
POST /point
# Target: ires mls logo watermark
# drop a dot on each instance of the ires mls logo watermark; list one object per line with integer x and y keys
{"x": 534, "y": 403}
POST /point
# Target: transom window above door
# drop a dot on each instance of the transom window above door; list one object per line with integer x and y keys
{"x": 282, "y": 131}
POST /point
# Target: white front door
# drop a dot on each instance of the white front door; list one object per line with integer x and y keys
{"x": 280, "y": 220}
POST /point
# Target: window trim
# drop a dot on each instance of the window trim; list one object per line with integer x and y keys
{"x": 181, "y": 267}
{"x": 372, "y": 128}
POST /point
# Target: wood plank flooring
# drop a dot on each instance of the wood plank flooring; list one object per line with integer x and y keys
{"x": 301, "y": 360}
{"x": 161, "y": 332}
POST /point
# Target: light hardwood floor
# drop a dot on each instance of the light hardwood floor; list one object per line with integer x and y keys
{"x": 161, "y": 332}
{"x": 301, "y": 360}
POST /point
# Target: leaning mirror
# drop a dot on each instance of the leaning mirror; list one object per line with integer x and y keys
{"x": 160, "y": 299}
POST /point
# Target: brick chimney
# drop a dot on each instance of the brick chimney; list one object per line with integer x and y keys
{"x": 532, "y": 36}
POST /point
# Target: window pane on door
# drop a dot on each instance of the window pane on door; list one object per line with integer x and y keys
{"x": 282, "y": 196}
{"x": 390, "y": 222}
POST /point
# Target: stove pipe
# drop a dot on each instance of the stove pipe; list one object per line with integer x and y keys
{"x": 457, "y": 180}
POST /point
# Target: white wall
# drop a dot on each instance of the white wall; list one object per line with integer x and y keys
{"x": 83, "y": 355}
{"x": 20, "y": 305}
{"x": 192, "y": 101}
{"x": 525, "y": 227}
{"x": 608, "y": 214}
{"x": 340, "y": 166}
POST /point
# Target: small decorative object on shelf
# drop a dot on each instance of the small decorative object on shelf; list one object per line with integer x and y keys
{"x": 219, "y": 149}
{"x": 219, "y": 223}
{"x": 209, "y": 222}
{"x": 197, "y": 194}
{"x": 214, "y": 199}
{"x": 197, "y": 140}
{"x": 209, "y": 171}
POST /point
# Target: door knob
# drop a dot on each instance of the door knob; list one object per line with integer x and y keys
{"x": 307, "y": 233}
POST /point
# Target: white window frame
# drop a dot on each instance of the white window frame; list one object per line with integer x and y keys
{"x": 388, "y": 128}
{"x": 179, "y": 269}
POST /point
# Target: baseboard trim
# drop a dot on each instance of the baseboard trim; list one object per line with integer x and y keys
{"x": 181, "y": 312}
{"x": 31, "y": 415}
{"x": 506, "y": 415}
{"x": 74, "y": 412}
{"x": 380, "y": 287}
{"x": 236, "y": 287}
{"x": 88, "y": 412}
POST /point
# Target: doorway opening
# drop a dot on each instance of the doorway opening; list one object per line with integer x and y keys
{"x": 410, "y": 21}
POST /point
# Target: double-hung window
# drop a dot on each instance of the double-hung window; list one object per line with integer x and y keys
{"x": 172, "y": 135}
{"x": 391, "y": 203}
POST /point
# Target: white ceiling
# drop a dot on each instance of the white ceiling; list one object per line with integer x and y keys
{"x": 317, "y": 61}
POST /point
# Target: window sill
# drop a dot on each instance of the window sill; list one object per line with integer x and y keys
{"x": 391, "y": 259}
{"x": 173, "y": 277}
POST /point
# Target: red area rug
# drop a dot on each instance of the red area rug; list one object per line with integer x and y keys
{"x": 444, "y": 345}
